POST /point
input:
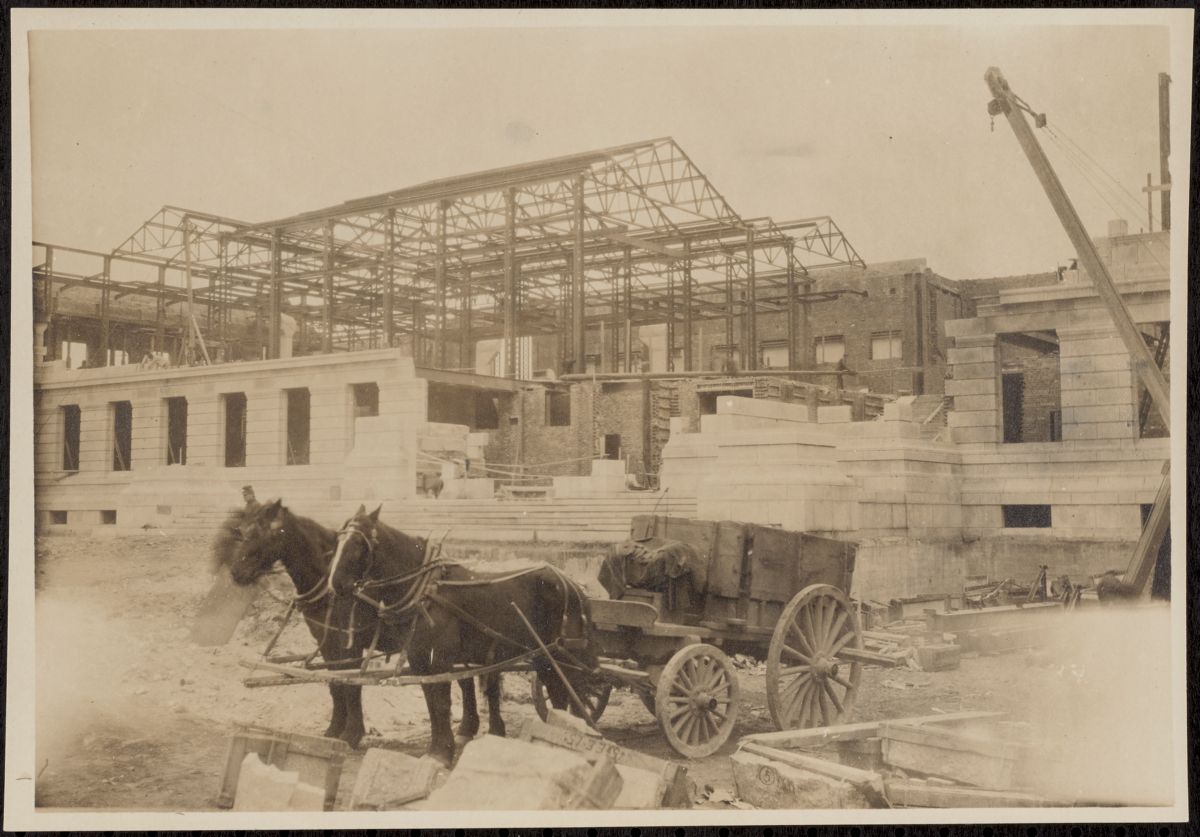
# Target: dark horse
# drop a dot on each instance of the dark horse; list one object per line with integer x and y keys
{"x": 342, "y": 629}
{"x": 459, "y": 617}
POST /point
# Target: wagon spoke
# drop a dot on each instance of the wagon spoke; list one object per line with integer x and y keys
{"x": 796, "y": 629}
{"x": 787, "y": 649}
{"x": 830, "y": 611}
{"x": 832, "y": 696}
{"x": 842, "y": 681}
{"x": 838, "y": 623}
{"x": 788, "y": 671}
{"x": 823, "y": 706}
{"x": 808, "y": 623}
{"x": 795, "y": 707}
{"x": 841, "y": 643}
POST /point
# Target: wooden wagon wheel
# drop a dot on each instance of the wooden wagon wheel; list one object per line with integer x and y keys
{"x": 807, "y": 683}
{"x": 594, "y": 695}
{"x": 696, "y": 701}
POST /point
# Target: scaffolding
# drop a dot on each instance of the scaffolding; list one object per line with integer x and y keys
{"x": 608, "y": 240}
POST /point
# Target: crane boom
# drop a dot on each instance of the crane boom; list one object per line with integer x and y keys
{"x": 1139, "y": 574}
{"x": 1007, "y": 103}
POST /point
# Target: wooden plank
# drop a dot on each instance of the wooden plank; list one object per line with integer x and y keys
{"x": 824, "y": 767}
{"x": 905, "y": 793}
{"x": 725, "y": 569}
{"x": 820, "y": 736}
{"x": 624, "y": 613}
{"x": 989, "y": 617}
{"x": 967, "y": 759}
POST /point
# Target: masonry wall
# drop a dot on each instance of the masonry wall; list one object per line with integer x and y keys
{"x": 152, "y": 484}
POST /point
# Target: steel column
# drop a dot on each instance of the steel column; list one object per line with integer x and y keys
{"x": 751, "y": 351}
{"x": 327, "y": 308}
{"x": 510, "y": 283}
{"x": 389, "y": 282}
{"x": 466, "y": 349}
{"x": 671, "y": 318}
{"x": 439, "y": 336}
{"x": 104, "y": 291}
{"x": 50, "y": 338}
{"x": 614, "y": 351}
{"x": 627, "y": 302}
{"x": 729, "y": 308}
{"x": 688, "y": 365}
{"x": 274, "y": 297}
{"x": 578, "y": 333}
{"x": 160, "y": 312}
{"x": 792, "y": 360}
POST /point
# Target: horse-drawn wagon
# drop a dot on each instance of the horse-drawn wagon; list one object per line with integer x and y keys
{"x": 722, "y": 588}
{"x": 682, "y": 594}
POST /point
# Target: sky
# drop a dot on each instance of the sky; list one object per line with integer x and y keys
{"x": 882, "y": 127}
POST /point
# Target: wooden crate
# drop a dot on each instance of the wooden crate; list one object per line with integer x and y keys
{"x": 318, "y": 760}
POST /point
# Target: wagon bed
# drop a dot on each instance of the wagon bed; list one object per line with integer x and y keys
{"x": 764, "y": 589}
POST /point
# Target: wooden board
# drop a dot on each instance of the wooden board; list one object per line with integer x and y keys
{"x": 725, "y": 571}
{"x": 905, "y": 793}
{"x": 783, "y": 563}
{"x": 967, "y": 759}
{"x": 820, "y": 736}
{"x": 318, "y": 760}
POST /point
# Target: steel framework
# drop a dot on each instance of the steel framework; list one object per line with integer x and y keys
{"x": 625, "y": 236}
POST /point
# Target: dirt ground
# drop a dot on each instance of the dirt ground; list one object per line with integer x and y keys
{"x": 132, "y": 715}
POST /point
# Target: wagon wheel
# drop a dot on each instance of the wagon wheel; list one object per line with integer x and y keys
{"x": 696, "y": 701}
{"x": 807, "y": 683}
{"x": 594, "y": 695}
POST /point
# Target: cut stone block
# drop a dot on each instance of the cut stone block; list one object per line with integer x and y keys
{"x": 640, "y": 789}
{"x": 388, "y": 779}
{"x": 834, "y": 415}
{"x": 676, "y": 787}
{"x": 766, "y": 783}
{"x": 565, "y": 720}
{"x": 263, "y": 787}
{"x": 504, "y": 774}
{"x": 938, "y": 657}
{"x": 307, "y": 797}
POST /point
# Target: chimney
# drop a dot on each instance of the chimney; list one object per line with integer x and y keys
{"x": 1118, "y": 228}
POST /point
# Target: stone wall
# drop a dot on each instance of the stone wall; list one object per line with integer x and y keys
{"x": 152, "y": 489}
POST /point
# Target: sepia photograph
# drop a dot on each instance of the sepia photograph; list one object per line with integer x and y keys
{"x": 442, "y": 418}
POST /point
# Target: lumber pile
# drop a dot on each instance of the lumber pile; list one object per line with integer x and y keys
{"x": 968, "y": 759}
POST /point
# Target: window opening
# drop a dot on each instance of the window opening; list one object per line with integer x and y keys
{"x": 612, "y": 445}
{"x": 1030, "y": 386}
{"x": 177, "y": 418}
{"x": 366, "y": 399}
{"x": 830, "y": 349}
{"x": 122, "y": 440}
{"x": 71, "y": 421}
{"x": 886, "y": 345}
{"x": 1026, "y": 517}
{"x": 558, "y": 407}
{"x": 235, "y": 429}
{"x": 298, "y": 403}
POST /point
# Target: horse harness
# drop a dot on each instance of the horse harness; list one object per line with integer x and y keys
{"x": 424, "y": 581}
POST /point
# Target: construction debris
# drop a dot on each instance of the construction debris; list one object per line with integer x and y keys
{"x": 264, "y": 787}
{"x": 388, "y": 780}
{"x": 500, "y": 774}
{"x": 674, "y": 787}
{"x": 317, "y": 761}
{"x": 966, "y": 759}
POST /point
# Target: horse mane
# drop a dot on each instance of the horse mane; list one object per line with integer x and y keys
{"x": 317, "y": 538}
{"x": 395, "y": 542}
